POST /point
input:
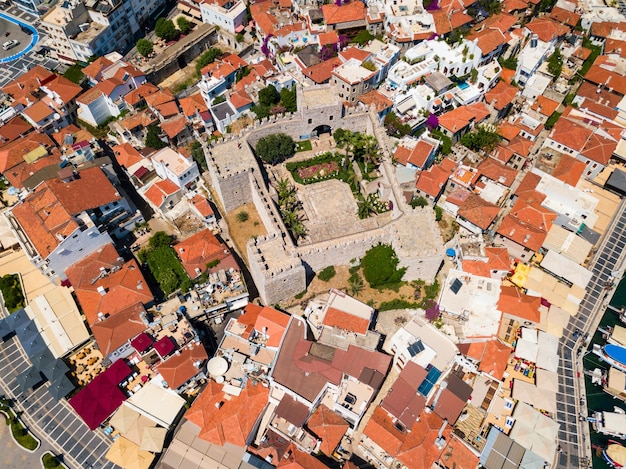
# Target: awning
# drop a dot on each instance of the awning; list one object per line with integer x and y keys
{"x": 141, "y": 172}
{"x": 142, "y": 342}
{"x": 165, "y": 346}
{"x": 239, "y": 28}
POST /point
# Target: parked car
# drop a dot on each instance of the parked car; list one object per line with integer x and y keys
{"x": 10, "y": 44}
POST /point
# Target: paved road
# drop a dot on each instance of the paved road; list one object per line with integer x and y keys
{"x": 574, "y": 434}
{"x": 52, "y": 421}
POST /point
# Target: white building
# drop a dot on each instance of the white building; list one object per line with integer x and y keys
{"x": 229, "y": 15}
{"x": 170, "y": 164}
{"x": 530, "y": 59}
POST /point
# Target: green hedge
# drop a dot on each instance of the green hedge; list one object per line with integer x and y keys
{"x": 345, "y": 175}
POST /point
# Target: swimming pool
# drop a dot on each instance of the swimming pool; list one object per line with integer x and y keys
{"x": 463, "y": 85}
{"x": 34, "y": 38}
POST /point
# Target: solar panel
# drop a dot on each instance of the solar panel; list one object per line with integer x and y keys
{"x": 430, "y": 380}
{"x": 456, "y": 286}
{"x": 416, "y": 348}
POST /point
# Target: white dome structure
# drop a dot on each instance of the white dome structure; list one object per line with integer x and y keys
{"x": 217, "y": 366}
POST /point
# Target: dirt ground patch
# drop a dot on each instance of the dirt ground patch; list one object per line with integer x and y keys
{"x": 188, "y": 224}
{"x": 448, "y": 226}
{"x": 240, "y": 124}
{"x": 240, "y": 232}
{"x": 367, "y": 295}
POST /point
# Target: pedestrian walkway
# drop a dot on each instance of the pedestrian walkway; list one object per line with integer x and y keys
{"x": 16, "y": 457}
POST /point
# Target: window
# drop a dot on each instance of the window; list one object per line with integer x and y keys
{"x": 310, "y": 121}
{"x": 330, "y": 118}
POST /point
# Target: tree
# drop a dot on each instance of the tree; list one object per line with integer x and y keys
{"x": 165, "y": 29}
{"x": 144, "y": 47}
{"x": 355, "y": 284}
{"x": 183, "y": 24}
{"x": 208, "y": 57}
{"x": 239, "y": 37}
{"x": 510, "y": 63}
{"x": 366, "y": 206}
{"x": 160, "y": 239}
{"x": 438, "y": 213}
{"x": 197, "y": 153}
{"x": 395, "y": 127}
{"x": 363, "y": 37}
{"x": 268, "y": 96}
{"x": 242, "y": 216}
{"x": 261, "y": 112}
{"x": 275, "y": 148}
{"x": 380, "y": 266}
{"x": 555, "y": 64}
{"x": 482, "y": 138}
{"x": 432, "y": 310}
{"x": 152, "y": 138}
{"x": 327, "y": 273}
{"x": 492, "y": 7}
{"x": 419, "y": 202}
{"x": 288, "y": 98}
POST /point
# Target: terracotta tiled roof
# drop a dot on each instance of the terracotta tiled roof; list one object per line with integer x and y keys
{"x": 497, "y": 259}
{"x": 403, "y": 402}
{"x": 603, "y": 29}
{"x": 495, "y": 359}
{"x": 113, "y": 332}
{"x": 433, "y": 181}
{"x": 377, "y": 99}
{"x": 65, "y": 89}
{"x": 459, "y": 118}
{"x": 38, "y": 111}
{"x": 201, "y": 204}
{"x": 180, "y": 368}
{"x": 355, "y": 53}
{"x": 345, "y": 321}
{"x": 501, "y": 95}
{"x": 23, "y": 87}
{"x": 325, "y": 39}
{"x": 590, "y": 91}
{"x": 514, "y": 5}
{"x": 124, "y": 287}
{"x": 223, "y": 420}
{"x": 611, "y": 46}
{"x": 599, "y": 149}
{"x": 348, "y": 12}
{"x": 601, "y": 76}
{"x": 569, "y": 170}
{"x": 167, "y": 110}
{"x": 159, "y": 191}
{"x": 198, "y": 250}
{"x": 267, "y": 319}
{"x": 13, "y": 153}
{"x": 13, "y": 129}
{"x": 508, "y": 131}
{"x": 126, "y": 155}
{"x": 497, "y": 172}
{"x": 569, "y": 134}
{"x": 582, "y": 53}
{"x": 95, "y": 68}
{"x": 159, "y": 98}
{"x": 131, "y": 70}
{"x": 417, "y": 156}
{"x": 507, "y": 75}
{"x": 139, "y": 93}
{"x": 192, "y": 105}
{"x": 478, "y": 211}
{"x": 174, "y": 126}
{"x": 515, "y": 303}
{"x": 590, "y": 106}
{"x": 44, "y": 219}
{"x": 529, "y": 210}
{"x": 264, "y": 68}
{"x": 442, "y": 22}
{"x": 545, "y": 105}
{"x": 460, "y": 18}
{"x": 546, "y": 29}
{"x": 503, "y": 154}
{"x": 564, "y": 16}
{"x": 140, "y": 119}
{"x": 266, "y": 22}
{"x": 489, "y": 40}
{"x": 522, "y": 233}
{"x": 240, "y": 99}
{"x": 329, "y": 427}
{"x": 321, "y": 72}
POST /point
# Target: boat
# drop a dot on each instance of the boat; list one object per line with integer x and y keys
{"x": 614, "y": 454}
{"x": 611, "y": 423}
{"x": 614, "y": 355}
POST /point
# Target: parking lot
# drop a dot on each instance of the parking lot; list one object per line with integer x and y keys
{"x": 51, "y": 420}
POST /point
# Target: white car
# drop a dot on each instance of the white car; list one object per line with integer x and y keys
{"x": 10, "y": 44}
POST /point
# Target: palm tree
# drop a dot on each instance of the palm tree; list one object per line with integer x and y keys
{"x": 298, "y": 230}
{"x": 366, "y": 206}
{"x": 355, "y": 285}
{"x": 290, "y": 218}
{"x": 371, "y": 151}
{"x": 284, "y": 189}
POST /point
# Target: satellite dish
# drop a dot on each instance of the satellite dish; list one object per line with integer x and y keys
{"x": 217, "y": 366}
{"x": 219, "y": 379}
{"x": 57, "y": 116}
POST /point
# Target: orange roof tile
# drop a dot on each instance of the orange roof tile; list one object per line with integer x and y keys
{"x": 603, "y": 29}
{"x": 331, "y": 37}
{"x": 377, "y": 99}
{"x": 321, "y": 72}
{"x": 515, "y": 303}
{"x": 114, "y": 331}
{"x": 38, "y": 111}
{"x": 507, "y": 75}
{"x": 496, "y": 171}
{"x": 599, "y": 149}
{"x": 569, "y": 170}
{"x": 124, "y": 284}
{"x": 327, "y": 426}
{"x": 181, "y": 367}
{"x": 501, "y": 95}
{"x": 201, "y": 204}
{"x": 348, "y": 12}
{"x": 495, "y": 359}
{"x": 514, "y": 5}
{"x": 488, "y": 40}
{"x": 546, "y": 29}
{"x": 355, "y": 53}
{"x": 570, "y": 134}
{"x": 522, "y": 233}
{"x": 240, "y": 99}
{"x": 503, "y": 154}
{"x": 95, "y": 68}
{"x": 345, "y": 321}
{"x": 433, "y": 181}
{"x": 264, "y": 68}
{"x": 13, "y": 153}
{"x": 174, "y": 126}
{"x": 508, "y": 131}
{"x": 158, "y": 98}
{"x": 198, "y": 250}
{"x": 139, "y": 93}
{"x": 457, "y": 455}
{"x": 159, "y": 191}
{"x": 478, "y": 211}
{"x": 545, "y": 106}
{"x": 126, "y": 155}
{"x": 611, "y": 46}
{"x": 192, "y": 105}
{"x": 459, "y": 118}
{"x": 266, "y": 22}
{"x": 601, "y": 76}
{"x": 417, "y": 156}
{"x": 65, "y": 89}
{"x": 140, "y": 119}
{"x": 22, "y": 89}
{"x": 13, "y": 129}
{"x": 442, "y": 22}
{"x": 564, "y": 16}
{"x": 269, "y": 321}
{"x": 589, "y": 91}
{"x": 497, "y": 259}
{"x": 530, "y": 211}
{"x": 167, "y": 110}
{"x": 223, "y": 420}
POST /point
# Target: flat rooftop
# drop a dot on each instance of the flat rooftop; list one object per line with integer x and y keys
{"x": 319, "y": 96}
{"x": 231, "y": 157}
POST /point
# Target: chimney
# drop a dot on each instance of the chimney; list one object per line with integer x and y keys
{"x": 101, "y": 290}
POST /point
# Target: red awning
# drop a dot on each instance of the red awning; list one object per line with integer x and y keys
{"x": 164, "y": 346}
{"x": 141, "y": 172}
{"x": 142, "y": 342}
{"x": 239, "y": 28}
